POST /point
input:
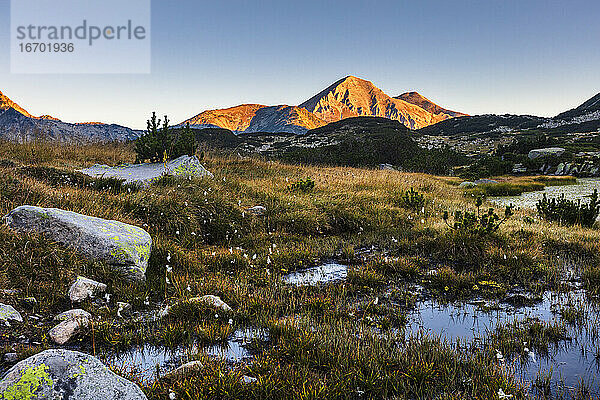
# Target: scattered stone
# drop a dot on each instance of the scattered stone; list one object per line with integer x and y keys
{"x": 10, "y": 292}
{"x": 520, "y": 169}
{"x": 248, "y": 379}
{"x": 63, "y": 374}
{"x": 73, "y": 314}
{"x": 123, "y": 309}
{"x": 84, "y": 288}
{"x": 387, "y": 167}
{"x": 560, "y": 170}
{"x": 211, "y": 300}
{"x": 521, "y": 300}
{"x": 550, "y": 151}
{"x": 125, "y": 247}
{"x": 11, "y": 357}
{"x": 467, "y": 184}
{"x": 8, "y": 313}
{"x": 64, "y": 331}
{"x": 184, "y": 370}
{"x": 144, "y": 174}
{"x": 257, "y": 210}
{"x": 486, "y": 182}
{"x": 30, "y": 302}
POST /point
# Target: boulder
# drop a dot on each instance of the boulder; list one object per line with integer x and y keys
{"x": 257, "y": 210}
{"x": 145, "y": 174}
{"x": 8, "y": 313}
{"x": 125, "y": 247}
{"x": 467, "y": 185}
{"x": 560, "y": 169}
{"x": 83, "y": 288}
{"x": 214, "y": 301}
{"x": 64, "y": 331}
{"x": 549, "y": 151}
{"x": 184, "y": 370}
{"x": 486, "y": 182}
{"x": 63, "y": 374}
{"x": 387, "y": 167}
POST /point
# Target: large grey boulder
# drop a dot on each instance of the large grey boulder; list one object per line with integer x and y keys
{"x": 549, "y": 151}
{"x": 62, "y": 374}
{"x": 144, "y": 174}
{"x": 125, "y": 247}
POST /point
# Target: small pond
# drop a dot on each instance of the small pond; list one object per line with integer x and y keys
{"x": 148, "y": 362}
{"x": 571, "y": 361}
{"x": 326, "y": 273}
{"x": 580, "y": 191}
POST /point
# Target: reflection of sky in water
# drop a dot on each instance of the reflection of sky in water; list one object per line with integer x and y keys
{"x": 331, "y": 272}
{"x": 146, "y": 360}
{"x": 584, "y": 188}
{"x": 570, "y": 361}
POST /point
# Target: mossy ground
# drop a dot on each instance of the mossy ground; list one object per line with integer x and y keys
{"x": 326, "y": 342}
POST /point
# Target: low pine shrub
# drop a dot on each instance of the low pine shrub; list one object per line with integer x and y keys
{"x": 570, "y": 212}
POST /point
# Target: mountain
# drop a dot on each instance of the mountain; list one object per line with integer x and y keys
{"x": 483, "y": 124}
{"x": 589, "y": 107}
{"x": 355, "y": 97}
{"x": 18, "y": 124}
{"x": 419, "y": 100}
{"x": 289, "y": 119}
{"x": 236, "y": 119}
{"x": 6, "y": 103}
{"x": 348, "y": 97}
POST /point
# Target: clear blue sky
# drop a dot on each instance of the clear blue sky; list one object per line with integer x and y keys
{"x": 493, "y": 56}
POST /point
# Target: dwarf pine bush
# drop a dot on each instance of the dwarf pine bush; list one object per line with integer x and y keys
{"x": 162, "y": 143}
{"x": 477, "y": 223}
{"x": 570, "y": 212}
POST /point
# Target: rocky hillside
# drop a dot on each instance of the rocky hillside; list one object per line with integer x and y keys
{"x": 19, "y": 125}
{"x": 6, "y": 103}
{"x": 419, "y": 100}
{"x": 236, "y": 119}
{"x": 346, "y": 98}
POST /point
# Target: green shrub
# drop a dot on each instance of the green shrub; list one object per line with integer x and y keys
{"x": 412, "y": 199}
{"x": 477, "y": 223}
{"x": 570, "y": 212}
{"x": 161, "y": 143}
{"x": 307, "y": 185}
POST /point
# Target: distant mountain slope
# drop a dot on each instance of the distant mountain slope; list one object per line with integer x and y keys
{"x": 236, "y": 119}
{"x": 6, "y": 103}
{"x": 590, "y": 106}
{"x": 419, "y": 100}
{"x": 289, "y": 119}
{"x": 346, "y": 98}
{"x": 16, "y": 126}
{"x": 352, "y": 97}
{"x": 478, "y": 124}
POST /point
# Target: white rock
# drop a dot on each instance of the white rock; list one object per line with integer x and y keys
{"x": 64, "y": 331}
{"x": 184, "y": 370}
{"x": 211, "y": 300}
{"x": 549, "y": 151}
{"x": 84, "y": 288}
{"x": 257, "y": 210}
{"x": 145, "y": 174}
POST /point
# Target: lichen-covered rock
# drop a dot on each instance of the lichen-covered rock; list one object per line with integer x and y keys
{"x": 214, "y": 301}
{"x": 144, "y": 174}
{"x": 8, "y": 313}
{"x": 62, "y": 374}
{"x": 125, "y": 247}
{"x": 73, "y": 314}
{"x": 83, "y": 288}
